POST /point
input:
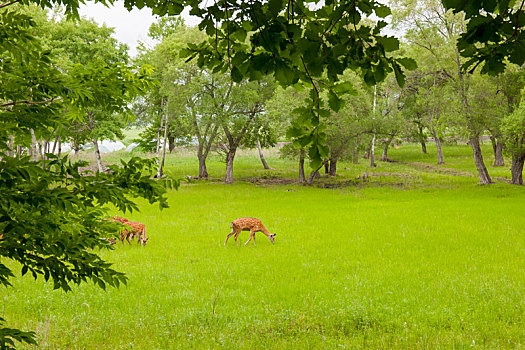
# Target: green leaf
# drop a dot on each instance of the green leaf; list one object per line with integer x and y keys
{"x": 275, "y": 6}
{"x": 284, "y": 75}
{"x": 236, "y": 75}
{"x": 408, "y": 63}
{"x": 294, "y": 132}
{"x": 400, "y": 76}
{"x": 382, "y": 11}
{"x": 334, "y": 101}
{"x": 345, "y": 88}
{"x": 389, "y": 43}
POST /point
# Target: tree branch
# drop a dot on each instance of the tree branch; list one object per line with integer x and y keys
{"x": 27, "y": 102}
{"x": 7, "y": 3}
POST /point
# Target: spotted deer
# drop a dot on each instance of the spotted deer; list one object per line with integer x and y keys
{"x": 136, "y": 229}
{"x": 248, "y": 224}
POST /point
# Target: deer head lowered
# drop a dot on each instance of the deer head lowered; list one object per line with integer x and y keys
{"x": 248, "y": 224}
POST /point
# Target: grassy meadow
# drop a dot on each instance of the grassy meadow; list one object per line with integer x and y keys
{"x": 413, "y": 256}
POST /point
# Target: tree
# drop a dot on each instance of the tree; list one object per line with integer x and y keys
{"x": 436, "y": 30}
{"x": 51, "y": 213}
{"x": 237, "y": 106}
{"x": 84, "y": 42}
{"x": 513, "y": 129}
{"x": 280, "y": 108}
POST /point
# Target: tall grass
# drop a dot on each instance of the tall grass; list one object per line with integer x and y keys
{"x": 408, "y": 258}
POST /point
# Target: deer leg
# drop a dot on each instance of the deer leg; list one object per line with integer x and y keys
{"x": 252, "y": 235}
{"x": 236, "y": 236}
{"x": 231, "y": 233}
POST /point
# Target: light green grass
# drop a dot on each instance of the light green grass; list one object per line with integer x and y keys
{"x": 408, "y": 259}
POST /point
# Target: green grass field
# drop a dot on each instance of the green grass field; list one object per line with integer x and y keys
{"x": 415, "y": 256}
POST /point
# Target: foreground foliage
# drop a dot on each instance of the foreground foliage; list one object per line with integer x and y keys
{"x": 50, "y": 220}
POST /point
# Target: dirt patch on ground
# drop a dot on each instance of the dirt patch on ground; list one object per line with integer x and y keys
{"x": 270, "y": 181}
{"x": 440, "y": 169}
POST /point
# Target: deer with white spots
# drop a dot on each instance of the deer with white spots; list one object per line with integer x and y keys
{"x": 248, "y": 224}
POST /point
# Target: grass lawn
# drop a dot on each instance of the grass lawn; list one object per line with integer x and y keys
{"x": 411, "y": 257}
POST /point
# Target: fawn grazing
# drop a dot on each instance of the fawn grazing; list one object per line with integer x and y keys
{"x": 248, "y": 224}
{"x": 136, "y": 229}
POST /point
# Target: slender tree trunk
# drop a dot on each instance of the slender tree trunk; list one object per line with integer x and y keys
{"x": 159, "y": 138}
{"x": 366, "y": 155}
{"x": 314, "y": 175}
{"x": 34, "y": 146}
{"x": 11, "y": 152}
{"x": 302, "y": 178}
{"x": 333, "y": 167}
{"x": 161, "y": 167}
{"x": 484, "y": 177}
{"x": 229, "y": 165}
{"x": 59, "y": 147}
{"x": 372, "y": 147}
{"x": 95, "y": 142}
{"x": 516, "y": 169}
{"x": 441, "y": 160}
{"x": 55, "y": 145}
{"x": 326, "y": 167}
{"x": 422, "y": 139}
{"x": 355, "y": 155}
{"x": 384, "y": 157}
{"x": 48, "y": 146}
{"x": 261, "y": 155}
{"x": 498, "y": 153}
{"x": 372, "y": 151}
{"x": 97, "y": 154}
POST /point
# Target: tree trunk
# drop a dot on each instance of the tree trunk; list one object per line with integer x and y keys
{"x": 314, "y": 175}
{"x": 372, "y": 151}
{"x": 59, "y": 147}
{"x": 484, "y": 177}
{"x": 203, "y": 171}
{"x": 326, "y": 167}
{"x": 384, "y": 157}
{"x": 161, "y": 167}
{"x": 516, "y": 169}
{"x": 261, "y": 155}
{"x": 441, "y": 160}
{"x": 171, "y": 141}
{"x": 366, "y": 155}
{"x": 97, "y": 154}
{"x": 422, "y": 139}
{"x": 229, "y": 166}
{"x": 333, "y": 167}
{"x": 355, "y": 155}
{"x": 302, "y": 178}
{"x": 55, "y": 145}
{"x": 159, "y": 136}
{"x": 34, "y": 146}
{"x": 498, "y": 154}
{"x": 11, "y": 152}
{"x": 95, "y": 142}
